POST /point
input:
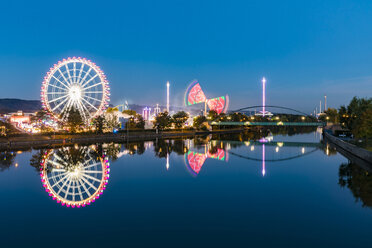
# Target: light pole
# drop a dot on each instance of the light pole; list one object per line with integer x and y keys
{"x": 263, "y": 95}
{"x": 168, "y": 96}
{"x": 263, "y": 160}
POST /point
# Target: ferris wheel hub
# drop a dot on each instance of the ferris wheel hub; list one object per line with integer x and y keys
{"x": 75, "y": 92}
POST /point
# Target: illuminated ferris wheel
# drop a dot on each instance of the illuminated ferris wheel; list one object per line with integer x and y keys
{"x": 74, "y": 177}
{"x": 75, "y": 83}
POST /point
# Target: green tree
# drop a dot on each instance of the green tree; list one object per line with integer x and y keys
{"x": 135, "y": 122}
{"x": 163, "y": 121}
{"x": 179, "y": 119}
{"x": 40, "y": 116}
{"x": 356, "y": 117}
{"x": 140, "y": 122}
{"x": 237, "y": 117}
{"x": 363, "y": 125}
{"x": 74, "y": 120}
{"x": 330, "y": 115}
{"x": 342, "y": 115}
{"x": 212, "y": 115}
{"x": 112, "y": 121}
{"x": 99, "y": 122}
{"x": 129, "y": 112}
{"x": 199, "y": 120}
{"x": 111, "y": 110}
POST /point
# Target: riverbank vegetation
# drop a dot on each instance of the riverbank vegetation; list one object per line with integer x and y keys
{"x": 357, "y": 117}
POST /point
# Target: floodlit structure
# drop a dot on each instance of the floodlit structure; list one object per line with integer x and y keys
{"x": 146, "y": 113}
{"x": 263, "y": 95}
{"x": 122, "y": 107}
{"x": 168, "y": 96}
{"x": 264, "y": 112}
{"x": 194, "y": 95}
{"x": 19, "y": 119}
{"x": 75, "y": 83}
{"x": 157, "y": 110}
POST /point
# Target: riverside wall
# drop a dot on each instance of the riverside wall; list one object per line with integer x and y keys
{"x": 353, "y": 149}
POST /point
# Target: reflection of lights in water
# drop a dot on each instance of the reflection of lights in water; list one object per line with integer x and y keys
{"x": 327, "y": 150}
{"x": 303, "y": 150}
{"x": 280, "y": 144}
{"x": 277, "y": 149}
{"x": 167, "y": 165}
{"x": 74, "y": 182}
{"x": 247, "y": 143}
{"x": 228, "y": 146}
{"x": 16, "y": 165}
{"x": 263, "y": 140}
{"x": 263, "y": 160}
{"x": 252, "y": 148}
{"x": 124, "y": 152}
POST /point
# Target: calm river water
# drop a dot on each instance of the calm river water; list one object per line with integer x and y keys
{"x": 279, "y": 191}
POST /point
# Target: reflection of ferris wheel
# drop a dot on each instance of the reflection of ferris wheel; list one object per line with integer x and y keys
{"x": 74, "y": 177}
{"x": 75, "y": 83}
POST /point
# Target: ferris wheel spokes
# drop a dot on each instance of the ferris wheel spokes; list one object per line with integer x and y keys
{"x": 75, "y": 83}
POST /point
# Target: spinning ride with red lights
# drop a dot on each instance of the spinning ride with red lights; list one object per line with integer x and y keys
{"x": 194, "y": 95}
{"x": 75, "y": 83}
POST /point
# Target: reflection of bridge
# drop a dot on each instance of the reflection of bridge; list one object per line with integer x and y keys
{"x": 195, "y": 160}
{"x": 278, "y": 144}
{"x": 279, "y": 123}
{"x": 274, "y": 160}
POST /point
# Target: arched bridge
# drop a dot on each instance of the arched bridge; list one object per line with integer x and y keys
{"x": 269, "y": 106}
{"x": 269, "y": 123}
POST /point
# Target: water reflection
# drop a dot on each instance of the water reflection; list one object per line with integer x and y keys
{"x": 195, "y": 160}
{"x": 358, "y": 180}
{"x": 74, "y": 176}
{"x": 6, "y": 160}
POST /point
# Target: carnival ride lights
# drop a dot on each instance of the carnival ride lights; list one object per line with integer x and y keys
{"x": 264, "y": 112}
{"x": 75, "y": 83}
{"x": 71, "y": 182}
{"x": 194, "y": 95}
{"x": 194, "y": 161}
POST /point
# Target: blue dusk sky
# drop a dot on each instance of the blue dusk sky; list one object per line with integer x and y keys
{"x": 305, "y": 49}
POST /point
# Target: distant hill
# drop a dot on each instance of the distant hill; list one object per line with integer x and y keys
{"x": 8, "y": 105}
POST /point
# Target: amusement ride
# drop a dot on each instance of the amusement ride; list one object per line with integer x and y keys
{"x": 75, "y": 83}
